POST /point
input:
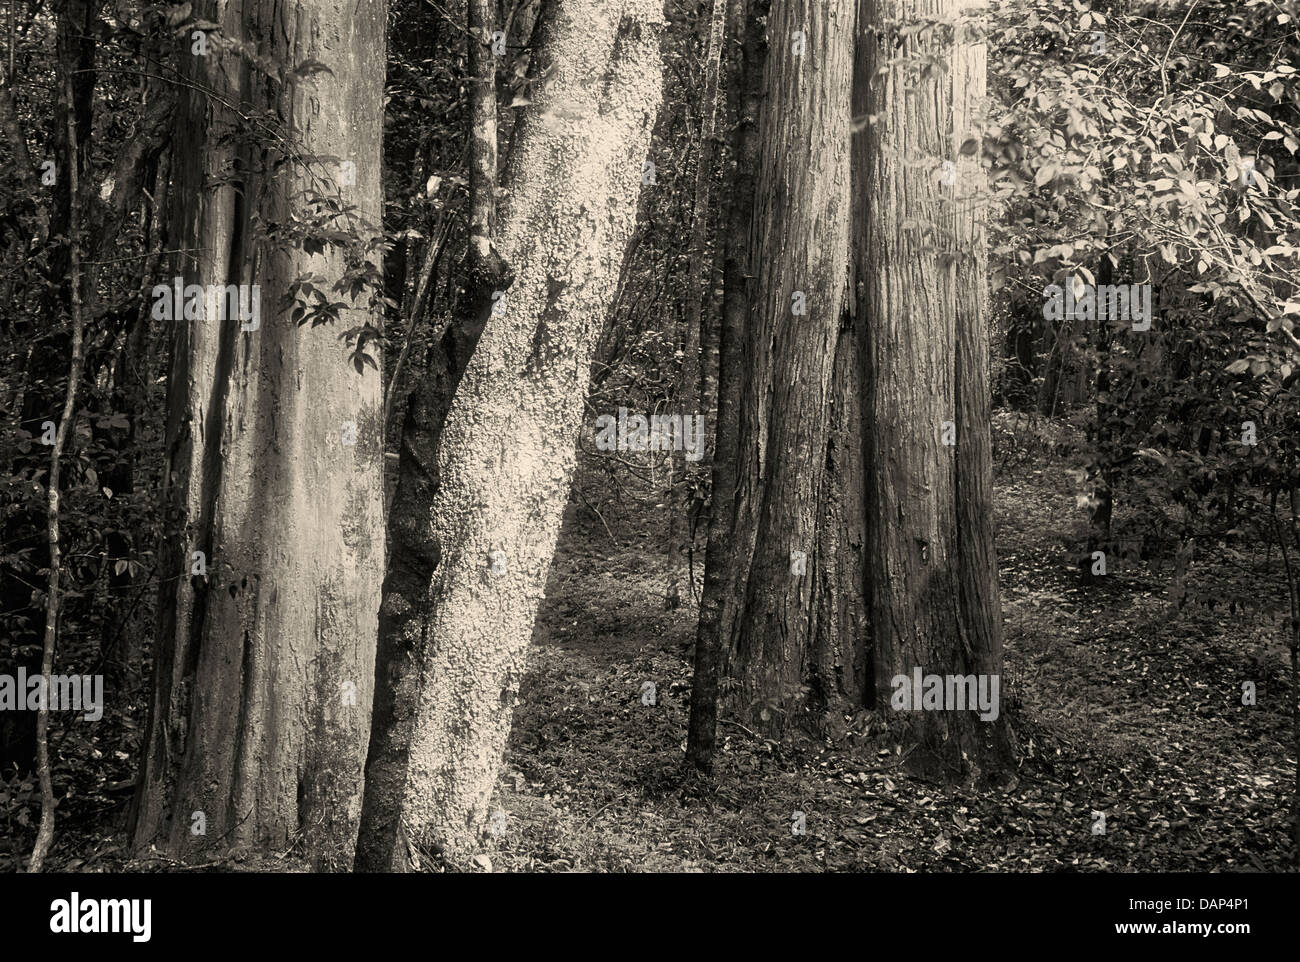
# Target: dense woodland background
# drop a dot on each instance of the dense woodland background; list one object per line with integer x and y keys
{"x": 368, "y": 591}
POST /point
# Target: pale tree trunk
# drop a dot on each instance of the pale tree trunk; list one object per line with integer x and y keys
{"x": 413, "y": 549}
{"x": 933, "y": 584}
{"x": 505, "y": 458}
{"x": 681, "y": 526}
{"x": 799, "y": 242}
{"x": 264, "y": 666}
{"x": 846, "y": 675}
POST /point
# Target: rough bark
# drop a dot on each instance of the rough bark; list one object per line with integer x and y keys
{"x": 799, "y": 237}
{"x": 920, "y": 372}
{"x": 681, "y": 528}
{"x": 747, "y": 29}
{"x": 505, "y": 458}
{"x": 413, "y": 548}
{"x": 980, "y": 600}
{"x": 841, "y": 669}
{"x": 263, "y": 667}
{"x": 1054, "y": 341}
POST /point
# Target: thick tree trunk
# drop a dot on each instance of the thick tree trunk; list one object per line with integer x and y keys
{"x": 413, "y": 551}
{"x": 799, "y": 238}
{"x": 506, "y": 455}
{"x": 264, "y": 665}
{"x": 842, "y": 668}
{"x": 979, "y": 600}
{"x": 930, "y": 543}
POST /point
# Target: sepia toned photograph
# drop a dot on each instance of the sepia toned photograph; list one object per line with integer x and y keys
{"x": 765, "y": 437}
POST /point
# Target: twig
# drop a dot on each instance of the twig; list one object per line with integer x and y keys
{"x": 581, "y": 497}
{"x": 598, "y": 811}
{"x": 884, "y": 768}
{"x": 728, "y": 721}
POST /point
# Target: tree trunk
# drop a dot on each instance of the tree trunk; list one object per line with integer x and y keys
{"x": 979, "y": 600}
{"x": 134, "y": 368}
{"x": 1055, "y": 344}
{"x": 746, "y": 28}
{"x": 842, "y": 668}
{"x": 264, "y": 665}
{"x": 413, "y": 549}
{"x": 506, "y": 455}
{"x": 687, "y": 399}
{"x": 1102, "y": 469}
{"x": 923, "y": 314}
{"x": 799, "y": 237}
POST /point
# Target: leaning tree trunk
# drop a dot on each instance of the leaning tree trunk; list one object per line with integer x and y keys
{"x": 413, "y": 550}
{"x": 264, "y": 657}
{"x": 922, "y": 291}
{"x": 506, "y": 455}
{"x": 799, "y": 238}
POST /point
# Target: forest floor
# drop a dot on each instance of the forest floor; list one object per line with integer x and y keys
{"x": 1123, "y": 702}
